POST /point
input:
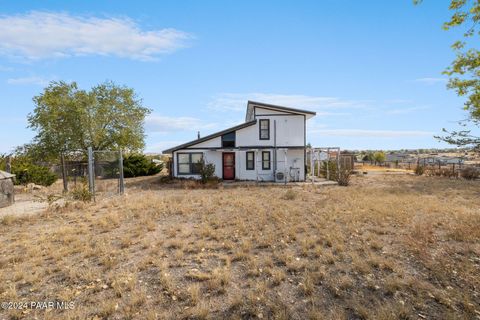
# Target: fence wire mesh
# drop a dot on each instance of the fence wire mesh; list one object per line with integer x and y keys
{"x": 103, "y": 178}
{"x": 107, "y": 173}
{"x": 73, "y": 170}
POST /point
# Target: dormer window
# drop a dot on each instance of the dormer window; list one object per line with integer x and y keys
{"x": 228, "y": 140}
{"x": 264, "y": 129}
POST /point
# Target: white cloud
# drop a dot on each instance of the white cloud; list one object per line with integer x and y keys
{"x": 39, "y": 35}
{"x": 370, "y": 133}
{"x": 431, "y": 81}
{"x": 164, "y": 124}
{"x": 238, "y": 102}
{"x": 28, "y": 80}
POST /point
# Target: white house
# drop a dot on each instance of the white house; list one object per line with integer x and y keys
{"x": 269, "y": 146}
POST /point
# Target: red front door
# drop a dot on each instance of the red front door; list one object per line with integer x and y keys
{"x": 228, "y": 166}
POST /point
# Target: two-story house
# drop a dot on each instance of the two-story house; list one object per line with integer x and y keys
{"x": 269, "y": 146}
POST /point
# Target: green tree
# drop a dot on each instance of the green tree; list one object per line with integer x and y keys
{"x": 464, "y": 72}
{"x": 136, "y": 165}
{"x": 367, "y": 157}
{"x": 108, "y": 117}
{"x": 379, "y": 157}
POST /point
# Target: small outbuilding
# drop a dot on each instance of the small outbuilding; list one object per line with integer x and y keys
{"x": 7, "y": 194}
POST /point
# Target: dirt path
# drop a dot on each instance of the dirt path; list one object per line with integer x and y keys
{"x": 24, "y": 205}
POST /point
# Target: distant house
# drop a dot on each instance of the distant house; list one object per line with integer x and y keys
{"x": 270, "y": 145}
{"x": 398, "y": 157}
{"x": 442, "y": 160}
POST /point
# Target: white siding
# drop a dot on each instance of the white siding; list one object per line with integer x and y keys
{"x": 290, "y": 132}
{"x": 295, "y": 162}
{"x": 262, "y": 111}
{"x": 212, "y": 143}
{"x": 209, "y": 156}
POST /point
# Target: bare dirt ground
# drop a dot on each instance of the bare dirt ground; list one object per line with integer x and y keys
{"x": 25, "y": 204}
{"x": 386, "y": 247}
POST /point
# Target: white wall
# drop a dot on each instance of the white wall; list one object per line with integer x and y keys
{"x": 290, "y": 132}
{"x": 295, "y": 159}
{"x": 209, "y": 156}
{"x": 262, "y": 111}
{"x": 212, "y": 143}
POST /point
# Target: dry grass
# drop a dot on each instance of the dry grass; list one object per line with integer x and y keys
{"x": 387, "y": 247}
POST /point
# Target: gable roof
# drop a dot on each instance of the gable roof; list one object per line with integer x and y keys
{"x": 251, "y": 104}
{"x": 211, "y": 136}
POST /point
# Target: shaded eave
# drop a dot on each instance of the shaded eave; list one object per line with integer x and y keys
{"x": 211, "y": 136}
{"x": 275, "y": 107}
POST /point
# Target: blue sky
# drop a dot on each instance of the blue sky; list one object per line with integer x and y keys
{"x": 371, "y": 69}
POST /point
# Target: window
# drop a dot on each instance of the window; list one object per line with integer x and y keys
{"x": 250, "y": 160}
{"x": 264, "y": 129}
{"x": 188, "y": 163}
{"x": 265, "y": 160}
{"x": 228, "y": 140}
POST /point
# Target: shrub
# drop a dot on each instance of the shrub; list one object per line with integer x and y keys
{"x": 81, "y": 194}
{"x": 29, "y": 173}
{"x": 419, "y": 170}
{"x": 137, "y": 165}
{"x": 470, "y": 173}
{"x": 441, "y": 172}
{"x": 344, "y": 177}
{"x": 207, "y": 171}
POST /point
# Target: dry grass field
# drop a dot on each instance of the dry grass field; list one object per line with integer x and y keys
{"x": 386, "y": 247}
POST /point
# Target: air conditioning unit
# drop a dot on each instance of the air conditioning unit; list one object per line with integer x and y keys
{"x": 279, "y": 176}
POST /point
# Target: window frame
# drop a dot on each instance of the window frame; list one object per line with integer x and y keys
{"x": 252, "y": 161}
{"x": 190, "y": 163}
{"x": 260, "y": 129}
{"x": 234, "y": 139}
{"x": 265, "y": 161}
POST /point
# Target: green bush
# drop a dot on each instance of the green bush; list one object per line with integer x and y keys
{"x": 137, "y": 165}
{"x": 29, "y": 173}
{"x": 207, "y": 171}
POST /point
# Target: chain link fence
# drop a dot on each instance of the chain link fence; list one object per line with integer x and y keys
{"x": 105, "y": 173}
{"x": 89, "y": 173}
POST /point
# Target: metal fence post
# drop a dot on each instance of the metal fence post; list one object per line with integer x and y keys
{"x": 64, "y": 174}
{"x": 338, "y": 164}
{"x": 121, "y": 181}
{"x": 91, "y": 173}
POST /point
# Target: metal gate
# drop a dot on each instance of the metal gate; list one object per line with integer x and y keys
{"x": 105, "y": 173}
